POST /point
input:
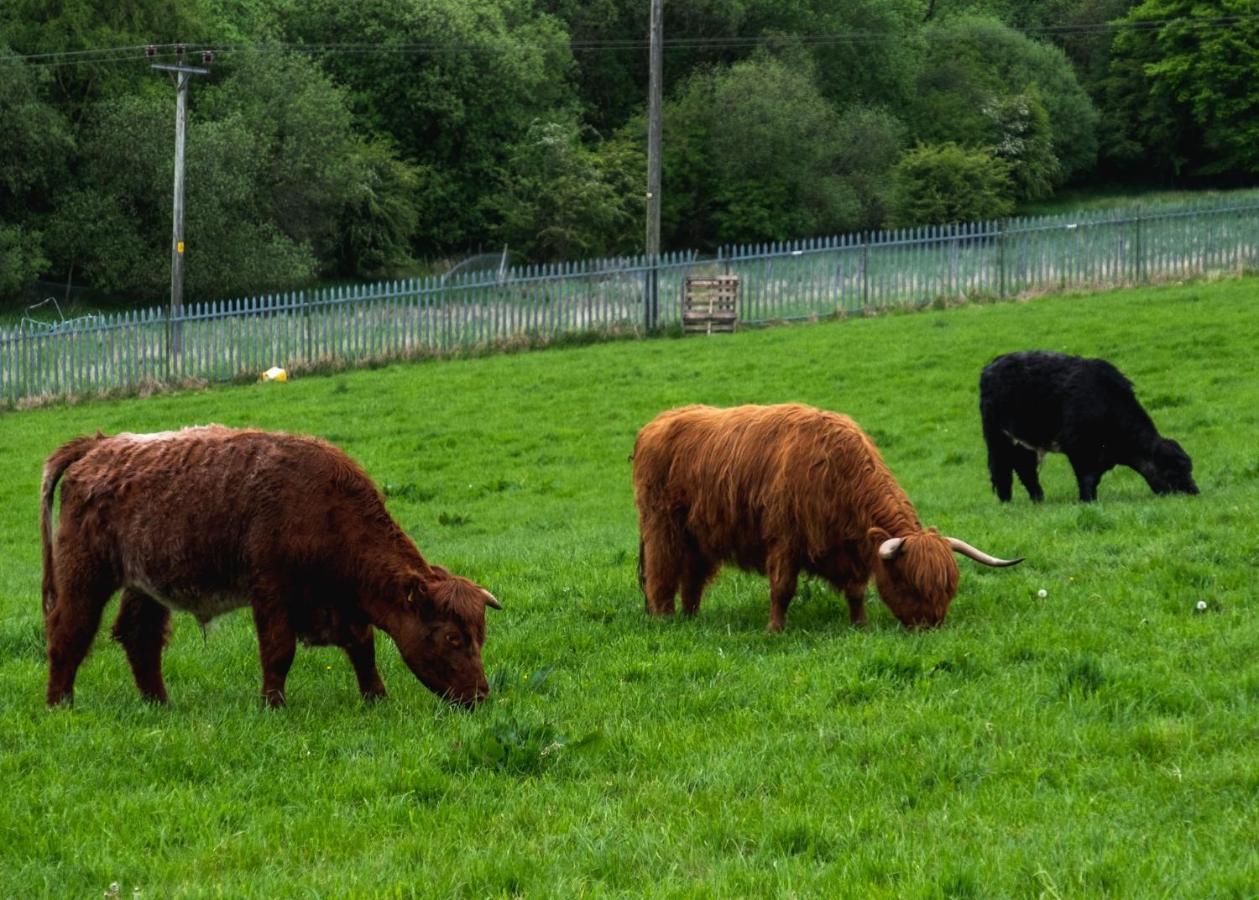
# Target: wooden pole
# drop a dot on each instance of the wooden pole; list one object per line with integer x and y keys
{"x": 182, "y": 74}
{"x": 177, "y": 226}
{"x": 652, "y": 311}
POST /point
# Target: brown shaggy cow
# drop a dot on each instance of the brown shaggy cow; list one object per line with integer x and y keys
{"x": 783, "y": 490}
{"x": 209, "y": 519}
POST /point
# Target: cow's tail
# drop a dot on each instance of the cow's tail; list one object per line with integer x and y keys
{"x": 56, "y": 465}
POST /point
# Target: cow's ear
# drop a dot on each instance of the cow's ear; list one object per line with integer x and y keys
{"x": 418, "y": 594}
{"x": 877, "y": 535}
{"x": 888, "y": 547}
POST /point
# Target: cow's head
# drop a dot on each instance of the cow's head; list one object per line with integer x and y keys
{"x": 440, "y": 632}
{"x": 1168, "y": 469}
{"x": 917, "y": 576}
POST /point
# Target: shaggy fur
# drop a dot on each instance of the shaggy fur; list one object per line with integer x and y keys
{"x": 206, "y": 520}
{"x": 1037, "y": 402}
{"x": 780, "y": 490}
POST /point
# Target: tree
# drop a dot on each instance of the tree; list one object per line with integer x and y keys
{"x": 1184, "y": 81}
{"x": 21, "y": 258}
{"x": 563, "y": 200}
{"x": 35, "y": 146}
{"x": 279, "y": 187}
{"x": 937, "y": 184}
{"x": 39, "y": 27}
{"x": 755, "y": 152}
{"x": 973, "y": 65}
{"x": 862, "y": 51}
{"x": 1021, "y": 137}
{"x": 381, "y": 213}
{"x": 460, "y": 82}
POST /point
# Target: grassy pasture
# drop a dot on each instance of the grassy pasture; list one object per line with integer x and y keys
{"x": 1102, "y": 740}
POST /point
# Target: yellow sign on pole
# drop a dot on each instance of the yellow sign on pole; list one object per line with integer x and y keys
{"x": 179, "y": 247}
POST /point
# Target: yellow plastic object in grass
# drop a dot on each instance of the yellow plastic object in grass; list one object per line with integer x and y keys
{"x": 275, "y": 373}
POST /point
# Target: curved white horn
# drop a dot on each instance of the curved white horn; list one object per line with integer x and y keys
{"x": 980, "y": 556}
{"x": 490, "y": 600}
{"x": 891, "y": 548}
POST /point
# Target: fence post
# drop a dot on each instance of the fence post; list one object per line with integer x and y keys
{"x": 865, "y": 270}
{"x": 1139, "y": 250}
{"x": 1001, "y": 226}
{"x": 167, "y": 314}
{"x": 954, "y": 287}
{"x": 305, "y": 327}
{"x": 651, "y": 291}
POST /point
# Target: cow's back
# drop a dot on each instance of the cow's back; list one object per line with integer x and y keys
{"x": 750, "y": 476}
{"x": 1041, "y": 397}
{"x": 192, "y": 516}
{"x": 1025, "y": 395}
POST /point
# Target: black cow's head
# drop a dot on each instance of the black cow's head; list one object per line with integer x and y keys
{"x": 1168, "y": 469}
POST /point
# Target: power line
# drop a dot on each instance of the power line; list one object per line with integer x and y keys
{"x": 115, "y": 55}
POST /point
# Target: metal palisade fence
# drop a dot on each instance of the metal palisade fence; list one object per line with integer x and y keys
{"x": 819, "y": 277}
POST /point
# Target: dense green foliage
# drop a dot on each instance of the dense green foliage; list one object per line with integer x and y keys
{"x": 941, "y": 183}
{"x": 1101, "y": 740}
{"x": 766, "y": 156}
{"x": 361, "y": 140}
{"x": 1186, "y": 88}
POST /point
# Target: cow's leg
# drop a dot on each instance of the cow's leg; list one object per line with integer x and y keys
{"x": 142, "y": 627}
{"x": 1026, "y": 462}
{"x": 697, "y": 569}
{"x": 277, "y": 643}
{"x": 70, "y": 626}
{"x": 1088, "y": 472}
{"x": 1000, "y": 463}
{"x": 361, "y": 649}
{"x": 783, "y": 576}
{"x": 661, "y": 565}
{"x": 855, "y": 593}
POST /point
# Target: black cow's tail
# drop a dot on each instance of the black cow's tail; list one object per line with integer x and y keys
{"x": 55, "y": 466}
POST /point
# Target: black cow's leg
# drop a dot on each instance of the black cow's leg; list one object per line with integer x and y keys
{"x": 142, "y": 627}
{"x": 277, "y": 643}
{"x": 783, "y": 575}
{"x": 1026, "y": 463}
{"x": 696, "y": 571}
{"x": 1000, "y": 462}
{"x": 1087, "y": 475}
{"x": 362, "y": 653}
{"x": 70, "y": 626}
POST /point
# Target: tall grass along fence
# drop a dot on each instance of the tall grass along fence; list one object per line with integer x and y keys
{"x": 512, "y": 307}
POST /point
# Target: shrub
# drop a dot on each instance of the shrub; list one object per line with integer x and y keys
{"x": 934, "y": 184}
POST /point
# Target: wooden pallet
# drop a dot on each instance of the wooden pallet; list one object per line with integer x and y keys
{"x": 710, "y": 304}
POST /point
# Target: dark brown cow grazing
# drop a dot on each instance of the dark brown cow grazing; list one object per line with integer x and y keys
{"x": 206, "y": 520}
{"x": 783, "y": 490}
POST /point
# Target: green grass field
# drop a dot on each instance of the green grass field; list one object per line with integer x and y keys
{"x": 1100, "y": 197}
{"x": 1100, "y": 741}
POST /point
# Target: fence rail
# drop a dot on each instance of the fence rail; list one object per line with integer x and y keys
{"x": 799, "y": 279}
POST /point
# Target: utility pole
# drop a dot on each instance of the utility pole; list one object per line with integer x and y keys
{"x": 182, "y": 76}
{"x": 652, "y": 312}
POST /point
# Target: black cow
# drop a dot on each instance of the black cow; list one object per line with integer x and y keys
{"x": 1037, "y": 402}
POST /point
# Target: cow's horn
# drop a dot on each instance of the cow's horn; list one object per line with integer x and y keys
{"x": 891, "y": 548}
{"x": 490, "y": 600}
{"x": 980, "y": 556}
